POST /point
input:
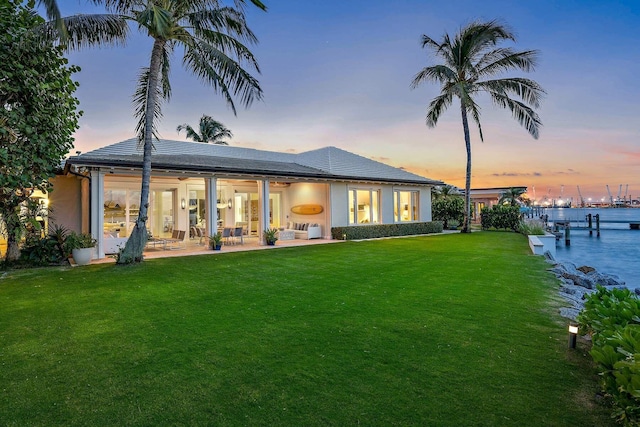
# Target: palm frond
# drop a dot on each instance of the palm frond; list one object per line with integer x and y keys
{"x": 230, "y": 47}
{"x": 436, "y": 107}
{"x": 527, "y": 90}
{"x": 140, "y": 105}
{"x": 221, "y": 20}
{"x": 508, "y": 60}
{"x": 223, "y": 73}
{"x": 437, "y": 73}
{"x": 165, "y": 70}
{"x": 191, "y": 133}
{"x": 88, "y": 31}
{"x": 524, "y": 114}
{"x": 53, "y": 14}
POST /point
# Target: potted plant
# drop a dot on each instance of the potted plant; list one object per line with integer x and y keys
{"x": 81, "y": 247}
{"x": 270, "y": 236}
{"x": 215, "y": 241}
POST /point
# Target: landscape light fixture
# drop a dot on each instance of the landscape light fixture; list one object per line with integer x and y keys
{"x": 573, "y": 334}
{"x": 183, "y": 203}
{"x": 229, "y": 203}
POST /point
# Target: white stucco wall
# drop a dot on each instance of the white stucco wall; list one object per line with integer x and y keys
{"x": 340, "y": 200}
{"x": 339, "y": 205}
{"x": 305, "y": 193}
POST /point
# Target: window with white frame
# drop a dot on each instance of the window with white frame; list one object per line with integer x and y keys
{"x": 364, "y": 206}
{"x": 405, "y": 206}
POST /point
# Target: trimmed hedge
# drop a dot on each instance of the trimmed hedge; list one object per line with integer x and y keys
{"x": 501, "y": 217}
{"x": 358, "y": 232}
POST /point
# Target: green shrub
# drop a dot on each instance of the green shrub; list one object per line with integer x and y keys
{"x": 359, "y": 232}
{"x": 50, "y": 250}
{"x": 37, "y": 252}
{"x": 449, "y": 210}
{"x": 501, "y": 217}
{"x": 529, "y": 229}
{"x": 612, "y": 317}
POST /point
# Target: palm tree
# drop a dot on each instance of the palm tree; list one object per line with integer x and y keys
{"x": 512, "y": 196}
{"x": 210, "y": 131}
{"x": 471, "y": 59}
{"x": 214, "y": 39}
{"x": 444, "y": 192}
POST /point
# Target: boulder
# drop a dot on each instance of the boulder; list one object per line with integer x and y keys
{"x": 586, "y": 269}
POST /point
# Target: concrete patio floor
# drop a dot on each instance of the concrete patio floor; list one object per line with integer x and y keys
{"x": 192, "y": 247}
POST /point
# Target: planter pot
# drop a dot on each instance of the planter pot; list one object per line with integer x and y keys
{"x": 82, "y": 256}
{"x": 216, "y": 247}
{"x": 269, "y": 243}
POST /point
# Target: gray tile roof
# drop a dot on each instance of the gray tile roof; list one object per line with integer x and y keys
{"x": 325, "y": 163}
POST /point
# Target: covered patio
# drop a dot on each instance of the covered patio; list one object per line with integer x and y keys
{"x": 192, "y": 247}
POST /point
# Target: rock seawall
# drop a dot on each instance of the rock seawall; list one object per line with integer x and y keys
{"x": 577, "y": 282}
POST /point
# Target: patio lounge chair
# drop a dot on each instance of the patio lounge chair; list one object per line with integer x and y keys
{"x": 177, "y": 239}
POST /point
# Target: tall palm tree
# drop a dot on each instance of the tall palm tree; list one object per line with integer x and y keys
{"x": 471, "y": 59}
{"x": 444, "y": 192}
{"x": 210, "y": 131}
{"x": 214, "y": 40}
{"x": 512, "y": 196}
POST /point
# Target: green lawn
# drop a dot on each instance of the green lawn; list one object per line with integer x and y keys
{"x": 456, "y": 330}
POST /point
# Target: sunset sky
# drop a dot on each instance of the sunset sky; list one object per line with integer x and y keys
{"x": 338, "y": 73}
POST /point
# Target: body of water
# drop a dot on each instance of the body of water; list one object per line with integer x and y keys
{"x": 616, "y": 251}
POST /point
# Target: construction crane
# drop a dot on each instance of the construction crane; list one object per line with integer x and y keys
{"x": 619, "y": 194}
{"x": 581, "y": 198}
{"x": 610, "y": 196}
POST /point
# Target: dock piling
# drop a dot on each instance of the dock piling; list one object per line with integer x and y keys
{"x": 598, "y": 225}
{"x": 590, "y": 221}
{"x": 567, "y": 233}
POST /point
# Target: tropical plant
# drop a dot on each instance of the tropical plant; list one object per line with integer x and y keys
{"x": 612, "y": 317}
{"x": 513, "y": 196}
{"x": 270, "y": 236}
{"x": 210, "y": 131}
{"x": 444, "y": 191}
{"x": 215, "y": 240}
{"x": 37, "y": 116}
{"x": 214, "y": 38}
{"x": 79, "y": 241}
{"x": 471, "y": 59}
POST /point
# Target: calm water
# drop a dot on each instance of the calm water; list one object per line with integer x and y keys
{"x": 616, "y": 251}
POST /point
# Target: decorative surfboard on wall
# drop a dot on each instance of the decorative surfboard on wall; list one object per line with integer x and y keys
{"x": 307, "y": 209}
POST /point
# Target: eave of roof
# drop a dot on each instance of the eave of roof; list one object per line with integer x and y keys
{"x": 220, "y": 160}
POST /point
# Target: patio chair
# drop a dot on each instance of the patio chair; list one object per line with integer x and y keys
{"x": 238, "y": 235}
{"x": 177, "y": 238}
{"x": 199, "y": 234}
{"x": 226, "y": 235}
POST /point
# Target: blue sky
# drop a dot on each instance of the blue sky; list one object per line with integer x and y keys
{"x": 338, "y": 73}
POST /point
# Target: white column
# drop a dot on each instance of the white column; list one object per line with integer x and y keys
{"x": 263, "y": 215}
{"x": 97, "y": 210}
{"x": 211, "y": 190}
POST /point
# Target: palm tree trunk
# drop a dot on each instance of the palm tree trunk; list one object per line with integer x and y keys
{"x": 466, "y": 227}
{"x": 135, "y": 244}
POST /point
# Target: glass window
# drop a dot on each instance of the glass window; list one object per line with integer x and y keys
{"x": 364, "y": 206}
{"x": 406, "y": 206}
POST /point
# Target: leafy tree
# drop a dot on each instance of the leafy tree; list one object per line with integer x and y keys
{"x": 214, "y": 39}
{"x": 37, "y": 114}
{"x": 513, "y": 197}
{"x": 447, "y": 209}
{"x": 210, "y": 131}
{"x": 471, "y": 59}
